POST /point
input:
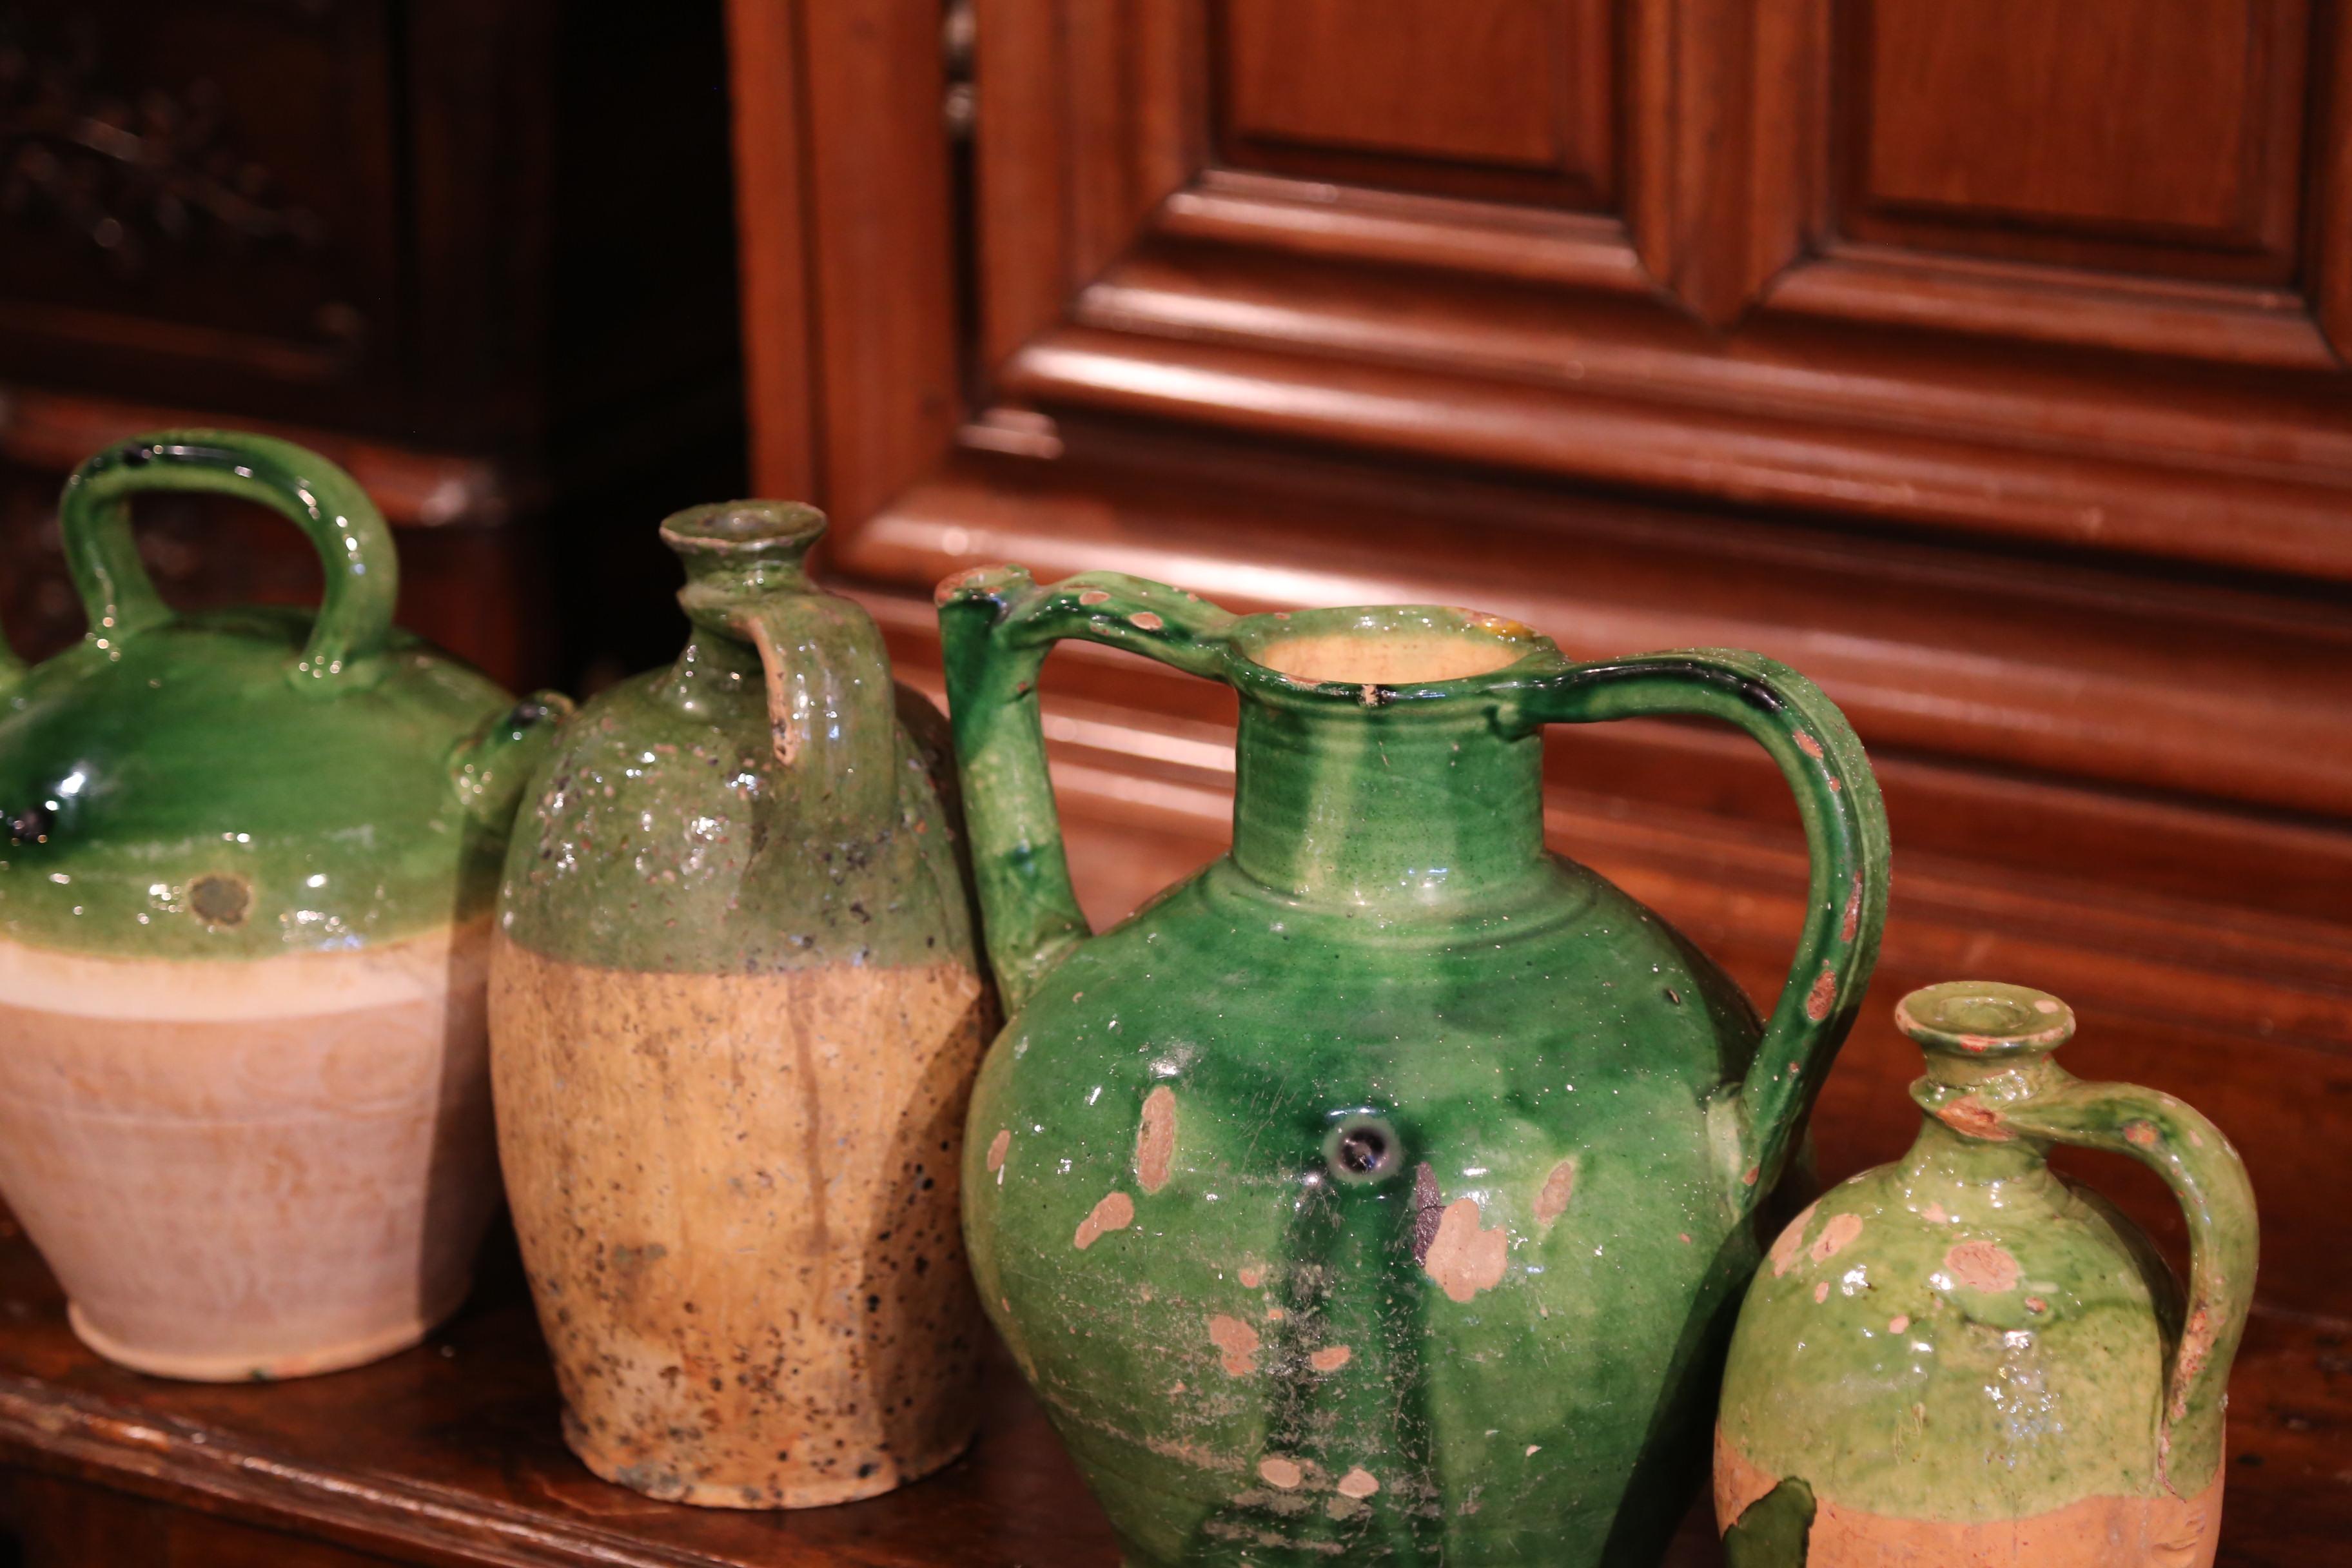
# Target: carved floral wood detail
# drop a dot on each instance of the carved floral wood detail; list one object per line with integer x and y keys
{"x": 137, "y": 176}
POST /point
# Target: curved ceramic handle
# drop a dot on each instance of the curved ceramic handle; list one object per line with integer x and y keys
{"x": 1845, "y": 829}
{"x": 997, "y": 626}
{"x": 2207, "y": 1177}
{"x": 354, "y": 547}
{"x": 833, "y": 712}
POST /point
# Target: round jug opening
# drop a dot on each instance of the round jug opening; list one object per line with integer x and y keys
{"x": 744, "y": 526}
{"x": 1388, "y": 656}
{"x": 1984, "y": 1017}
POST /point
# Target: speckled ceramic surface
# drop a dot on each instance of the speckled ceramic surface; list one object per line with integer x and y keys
{"x": 244, "y": 915}
{"x": 1380, "y": 1195}
{"x": 1962, "y": 1361}
{"x": 736, "y": 1011}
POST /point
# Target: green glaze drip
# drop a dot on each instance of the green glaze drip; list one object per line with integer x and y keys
{"x": 1314, "y": 785}
{"x": 1379, "y": 1194}
{"x": 1774, "y": 1531}
{"x": 1963, "y": 1336}
{"x": 769, "y": 801}
{"x": 243, "y": 783}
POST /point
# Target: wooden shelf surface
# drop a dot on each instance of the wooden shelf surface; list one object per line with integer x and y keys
{"x": 449, "y": 1453}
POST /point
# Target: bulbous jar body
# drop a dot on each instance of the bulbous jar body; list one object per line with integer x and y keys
{"x": 737, "y": 1006}
{"x": 244, "y": 931}
{"x": 1962, "y": 1361}
{"x": 1377, "y": 1194}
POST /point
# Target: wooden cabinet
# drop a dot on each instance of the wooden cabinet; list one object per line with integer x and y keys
{"x": 1986, "y": 361}
{"x": 479, "y": 252}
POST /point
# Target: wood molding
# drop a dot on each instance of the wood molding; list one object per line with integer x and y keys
{"x": 2218, "y": 323}
{"x": 1595, "y": 423}
{"x": 1727, "y": 144}
{"x": 56, "y": 431}
{"x": 1300, "y": 218}
{"x": 2200, "y": 692}
{"x": 877, "y": 227}
{"x": 2329, "y": 241}
{"x": 771, "y": 107}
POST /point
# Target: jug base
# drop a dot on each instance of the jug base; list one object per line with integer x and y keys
{"x": 650, "y": 1478}
{"x": 246, "y": 1368}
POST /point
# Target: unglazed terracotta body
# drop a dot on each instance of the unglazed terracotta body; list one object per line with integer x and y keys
{"x": 737, "y": 1011}
{"x": 243, "y": 913}
{"x": 265, "y": 1169}
{"x": 1380, "y": 1193}
{"x": 1962, "y": 1361}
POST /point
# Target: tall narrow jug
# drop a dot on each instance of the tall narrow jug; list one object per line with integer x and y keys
{"x": 1378, "y": 1194}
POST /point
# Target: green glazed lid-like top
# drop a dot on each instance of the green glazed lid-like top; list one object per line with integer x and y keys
{"x": 244, "y": 783}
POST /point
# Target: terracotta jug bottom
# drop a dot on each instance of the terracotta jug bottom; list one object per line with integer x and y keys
{"x": 2161, "y": 1531}
{"x": 736, "y": 1198}
{"x": 889, "y": 1475}
{"x": 309, "y": 1363}
{"x": 251, "y": 1169}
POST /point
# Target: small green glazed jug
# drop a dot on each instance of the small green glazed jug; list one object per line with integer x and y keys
{"x": 1381, "y": 1194}
{"x": 1962, "y": 1360}
{"x": 736, "y": 1005}
{"x": 245, "y": 902}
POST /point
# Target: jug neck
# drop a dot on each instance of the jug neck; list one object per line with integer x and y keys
{"x": 1412, "y": 804}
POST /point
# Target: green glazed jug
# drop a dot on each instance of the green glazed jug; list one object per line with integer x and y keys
{"x": 245, "y": 895}
{"x": 1962, "y": 1361}
{"x": 736, "y": 1005}
{"x": 1380, "y": 1193}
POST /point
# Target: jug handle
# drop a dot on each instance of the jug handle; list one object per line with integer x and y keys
{"x": 363, "y": 572}
{"x": 2209, "y": 1182}
{"x": 997, "y": 626}
{"x": 1845, "y": 832}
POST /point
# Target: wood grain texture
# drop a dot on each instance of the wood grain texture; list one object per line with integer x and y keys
{"x": 770, "y": 104}
{"x": 2158, "y": 140}
{"x": 1499, "y": 98}
{"x": 886, "y": 370}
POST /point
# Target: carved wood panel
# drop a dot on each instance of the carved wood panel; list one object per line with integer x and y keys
{"x": 1854, "y": 337}
{"x": 212, "y": 182}
{"x": 2159, "y": 138}
{"x": 1507, "y": 99}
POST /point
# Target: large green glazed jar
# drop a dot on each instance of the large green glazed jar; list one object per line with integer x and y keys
{"x": 1380, "y": 1195}
{"x": 737, "y": 1004}
{"x": 1962, "y": 1360}
{"x": 244, "y": 903}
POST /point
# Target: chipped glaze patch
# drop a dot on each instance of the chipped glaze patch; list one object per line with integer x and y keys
{"x": 1791, "y": 1242}
{"x": 1155, "y": 1140}
{"x": 1982, "y": 1266}
{"x": 1557, "y": 1189}
{"x": 1463, "y": 1258}
{"x": 1115, "y": 1211}
{"x": 1822, "y": 997}
{"x": 1835, "y": 1235}
{"x": 1236, "y": 1344}
{"x": 1358, "y": 1483}
{"x": 1972, "y": 1116}
{"x": 1897, "y": 1323}
{"x": 1330, "y": 1358}
{"x": 1282, "y": 1473}
{"x": 998, "y": 1147}
{"x": 1251, "y": 1276}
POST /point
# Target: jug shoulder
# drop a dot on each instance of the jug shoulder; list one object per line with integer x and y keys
{"x": 1893, "y": 1323}
{"x": 672, "y": 838}
{"x": 180, "y": 796}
